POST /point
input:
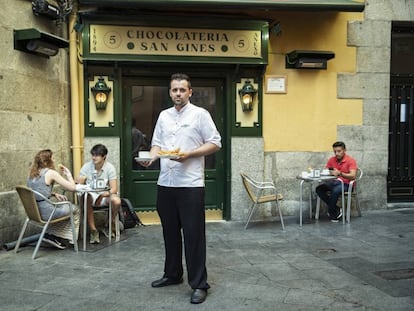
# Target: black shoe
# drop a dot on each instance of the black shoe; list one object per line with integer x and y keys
{"x": 53, "y": 240}
{"x": 198, "y": 295}
{"x": 166, "y": 282}
{"x": 336, "y": 219}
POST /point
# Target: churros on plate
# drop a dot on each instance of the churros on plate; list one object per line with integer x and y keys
{"x": 170, "y": 153}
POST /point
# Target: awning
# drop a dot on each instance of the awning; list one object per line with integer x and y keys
{"x": 217, "y": 5}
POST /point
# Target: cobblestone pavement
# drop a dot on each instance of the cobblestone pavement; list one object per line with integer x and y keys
{"x": 365, "y": 265}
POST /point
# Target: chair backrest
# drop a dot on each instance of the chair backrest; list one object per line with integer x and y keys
{"x": 359, "y": 174}
{"x": 248, "y": 185}
{"x": 29, "y": 203}
{"x": 355, "y": 182}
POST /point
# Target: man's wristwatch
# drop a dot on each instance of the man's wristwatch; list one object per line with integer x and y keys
{"x": 340, "y": 174}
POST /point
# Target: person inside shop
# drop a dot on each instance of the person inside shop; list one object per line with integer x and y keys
{"x": 186, "y": 134}
{"x": 99, "y": 169}
{"x": 42, "y": 177}
{"x": 344, "y": 167}
{"x": 138, "y": 144}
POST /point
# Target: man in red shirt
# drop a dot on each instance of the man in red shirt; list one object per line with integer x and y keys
{"x": 344, "y": 167}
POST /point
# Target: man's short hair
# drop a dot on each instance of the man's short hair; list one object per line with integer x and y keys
{"x": 99, "y": 149}
{"x": 181, "y": 76}
{"x": 339, "y": 144}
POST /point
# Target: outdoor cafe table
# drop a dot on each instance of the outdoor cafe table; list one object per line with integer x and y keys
{"x": 311, "y": 181}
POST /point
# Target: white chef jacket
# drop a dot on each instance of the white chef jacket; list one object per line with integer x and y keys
{"x": 186, "y": 129}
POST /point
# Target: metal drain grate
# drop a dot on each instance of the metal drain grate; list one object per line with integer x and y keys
{"x": 400, "y": 274}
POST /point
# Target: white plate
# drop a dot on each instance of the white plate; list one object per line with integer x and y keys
{"x": 143, "y": 159}
{"x": 324, "y": 174}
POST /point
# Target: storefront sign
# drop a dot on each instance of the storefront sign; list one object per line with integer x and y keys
{"x": 136, "y": 40}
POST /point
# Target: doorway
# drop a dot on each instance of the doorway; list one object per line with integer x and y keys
{"x": 400, "y": 178}
{"x": 143, "y": 99}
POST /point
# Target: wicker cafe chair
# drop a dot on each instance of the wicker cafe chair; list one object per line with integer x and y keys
{"x": 352, "y": 192}
{"x": 261, "y": 192}
{"x": 27, "y": 197}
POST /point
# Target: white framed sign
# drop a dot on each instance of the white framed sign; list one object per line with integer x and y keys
{"x": 276, "y": 84}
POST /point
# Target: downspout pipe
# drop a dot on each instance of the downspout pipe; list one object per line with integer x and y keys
{"x": 75, "y": 95}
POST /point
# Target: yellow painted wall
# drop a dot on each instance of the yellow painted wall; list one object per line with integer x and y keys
{"x": 307, "y": 116}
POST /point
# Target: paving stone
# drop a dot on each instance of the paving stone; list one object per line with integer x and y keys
{"x": 320, "y": 266}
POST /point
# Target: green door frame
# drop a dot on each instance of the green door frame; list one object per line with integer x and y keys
{"x": 147, "y": 178}
{"x": 120, "y": 66}
{"x": 230, "y": 74}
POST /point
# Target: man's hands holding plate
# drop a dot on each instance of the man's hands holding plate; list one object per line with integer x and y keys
{"x": 174, "y": 155}
{"x": 145, "y": 158}
{"x": 171, "y": 154}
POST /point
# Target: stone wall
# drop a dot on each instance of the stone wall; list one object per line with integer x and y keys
{"x": 371, "y": 82}
{"x": 248, "y": 157}
{"x": 35, "y": 114}
{"x": 367, "y": 142}
{"x": 34, "y": 109}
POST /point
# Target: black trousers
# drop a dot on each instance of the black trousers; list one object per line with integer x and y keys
{"x": 183, "y": 209}
{"x": 329, "y": 192}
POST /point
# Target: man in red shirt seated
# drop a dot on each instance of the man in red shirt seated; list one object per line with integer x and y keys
{"x": 344, "y": 167}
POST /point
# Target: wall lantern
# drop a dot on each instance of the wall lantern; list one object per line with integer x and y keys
{"x": 247, "y": 95}
{"x": 100, "y": 94}
{"x": 300, "y": 59}
{"x": 36, "y": 42}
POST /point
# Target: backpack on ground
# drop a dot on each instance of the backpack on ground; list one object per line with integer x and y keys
{"x": 128, "y": 216}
